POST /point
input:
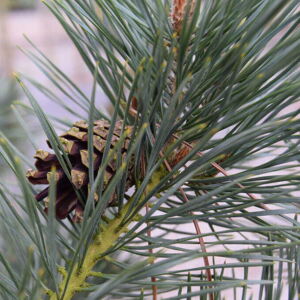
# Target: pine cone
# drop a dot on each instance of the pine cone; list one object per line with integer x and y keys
{"x": 75, "y": 145}
{"x": 178, "y": 13}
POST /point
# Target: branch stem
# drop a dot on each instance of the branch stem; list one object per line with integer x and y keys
{"x": 106, "y": 237}
{"x": 102, "y": 242}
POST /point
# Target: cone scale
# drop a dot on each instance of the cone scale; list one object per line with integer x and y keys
{"x": 75, "y": 143}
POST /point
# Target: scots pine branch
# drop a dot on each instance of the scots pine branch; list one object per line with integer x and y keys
{"x": 75, "y": 280}
{"x": 213, "y": 177}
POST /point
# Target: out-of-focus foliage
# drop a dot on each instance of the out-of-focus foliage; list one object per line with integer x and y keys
{"x": 8, "y": 94}
{"x": 21, "y": 4}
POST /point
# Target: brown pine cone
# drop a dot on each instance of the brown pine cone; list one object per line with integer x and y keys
{"x": 178, "y": 13}
{"x": 75, "y": 143}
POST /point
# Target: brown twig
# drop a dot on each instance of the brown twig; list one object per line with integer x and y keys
{"x": 197, "y": 228}
{"x": 153, "y": 279}
{"x": 221, "y": 170}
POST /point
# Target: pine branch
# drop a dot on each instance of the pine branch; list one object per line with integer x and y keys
{"x": 74, "y": 281}
{"x": 221, "y": 151}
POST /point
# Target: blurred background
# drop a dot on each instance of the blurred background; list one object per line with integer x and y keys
{"x": 33, "y": 19}
{"x": 19, "y": 20}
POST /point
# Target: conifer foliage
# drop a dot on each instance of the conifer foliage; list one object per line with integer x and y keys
{"x": 190, "y": 189}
